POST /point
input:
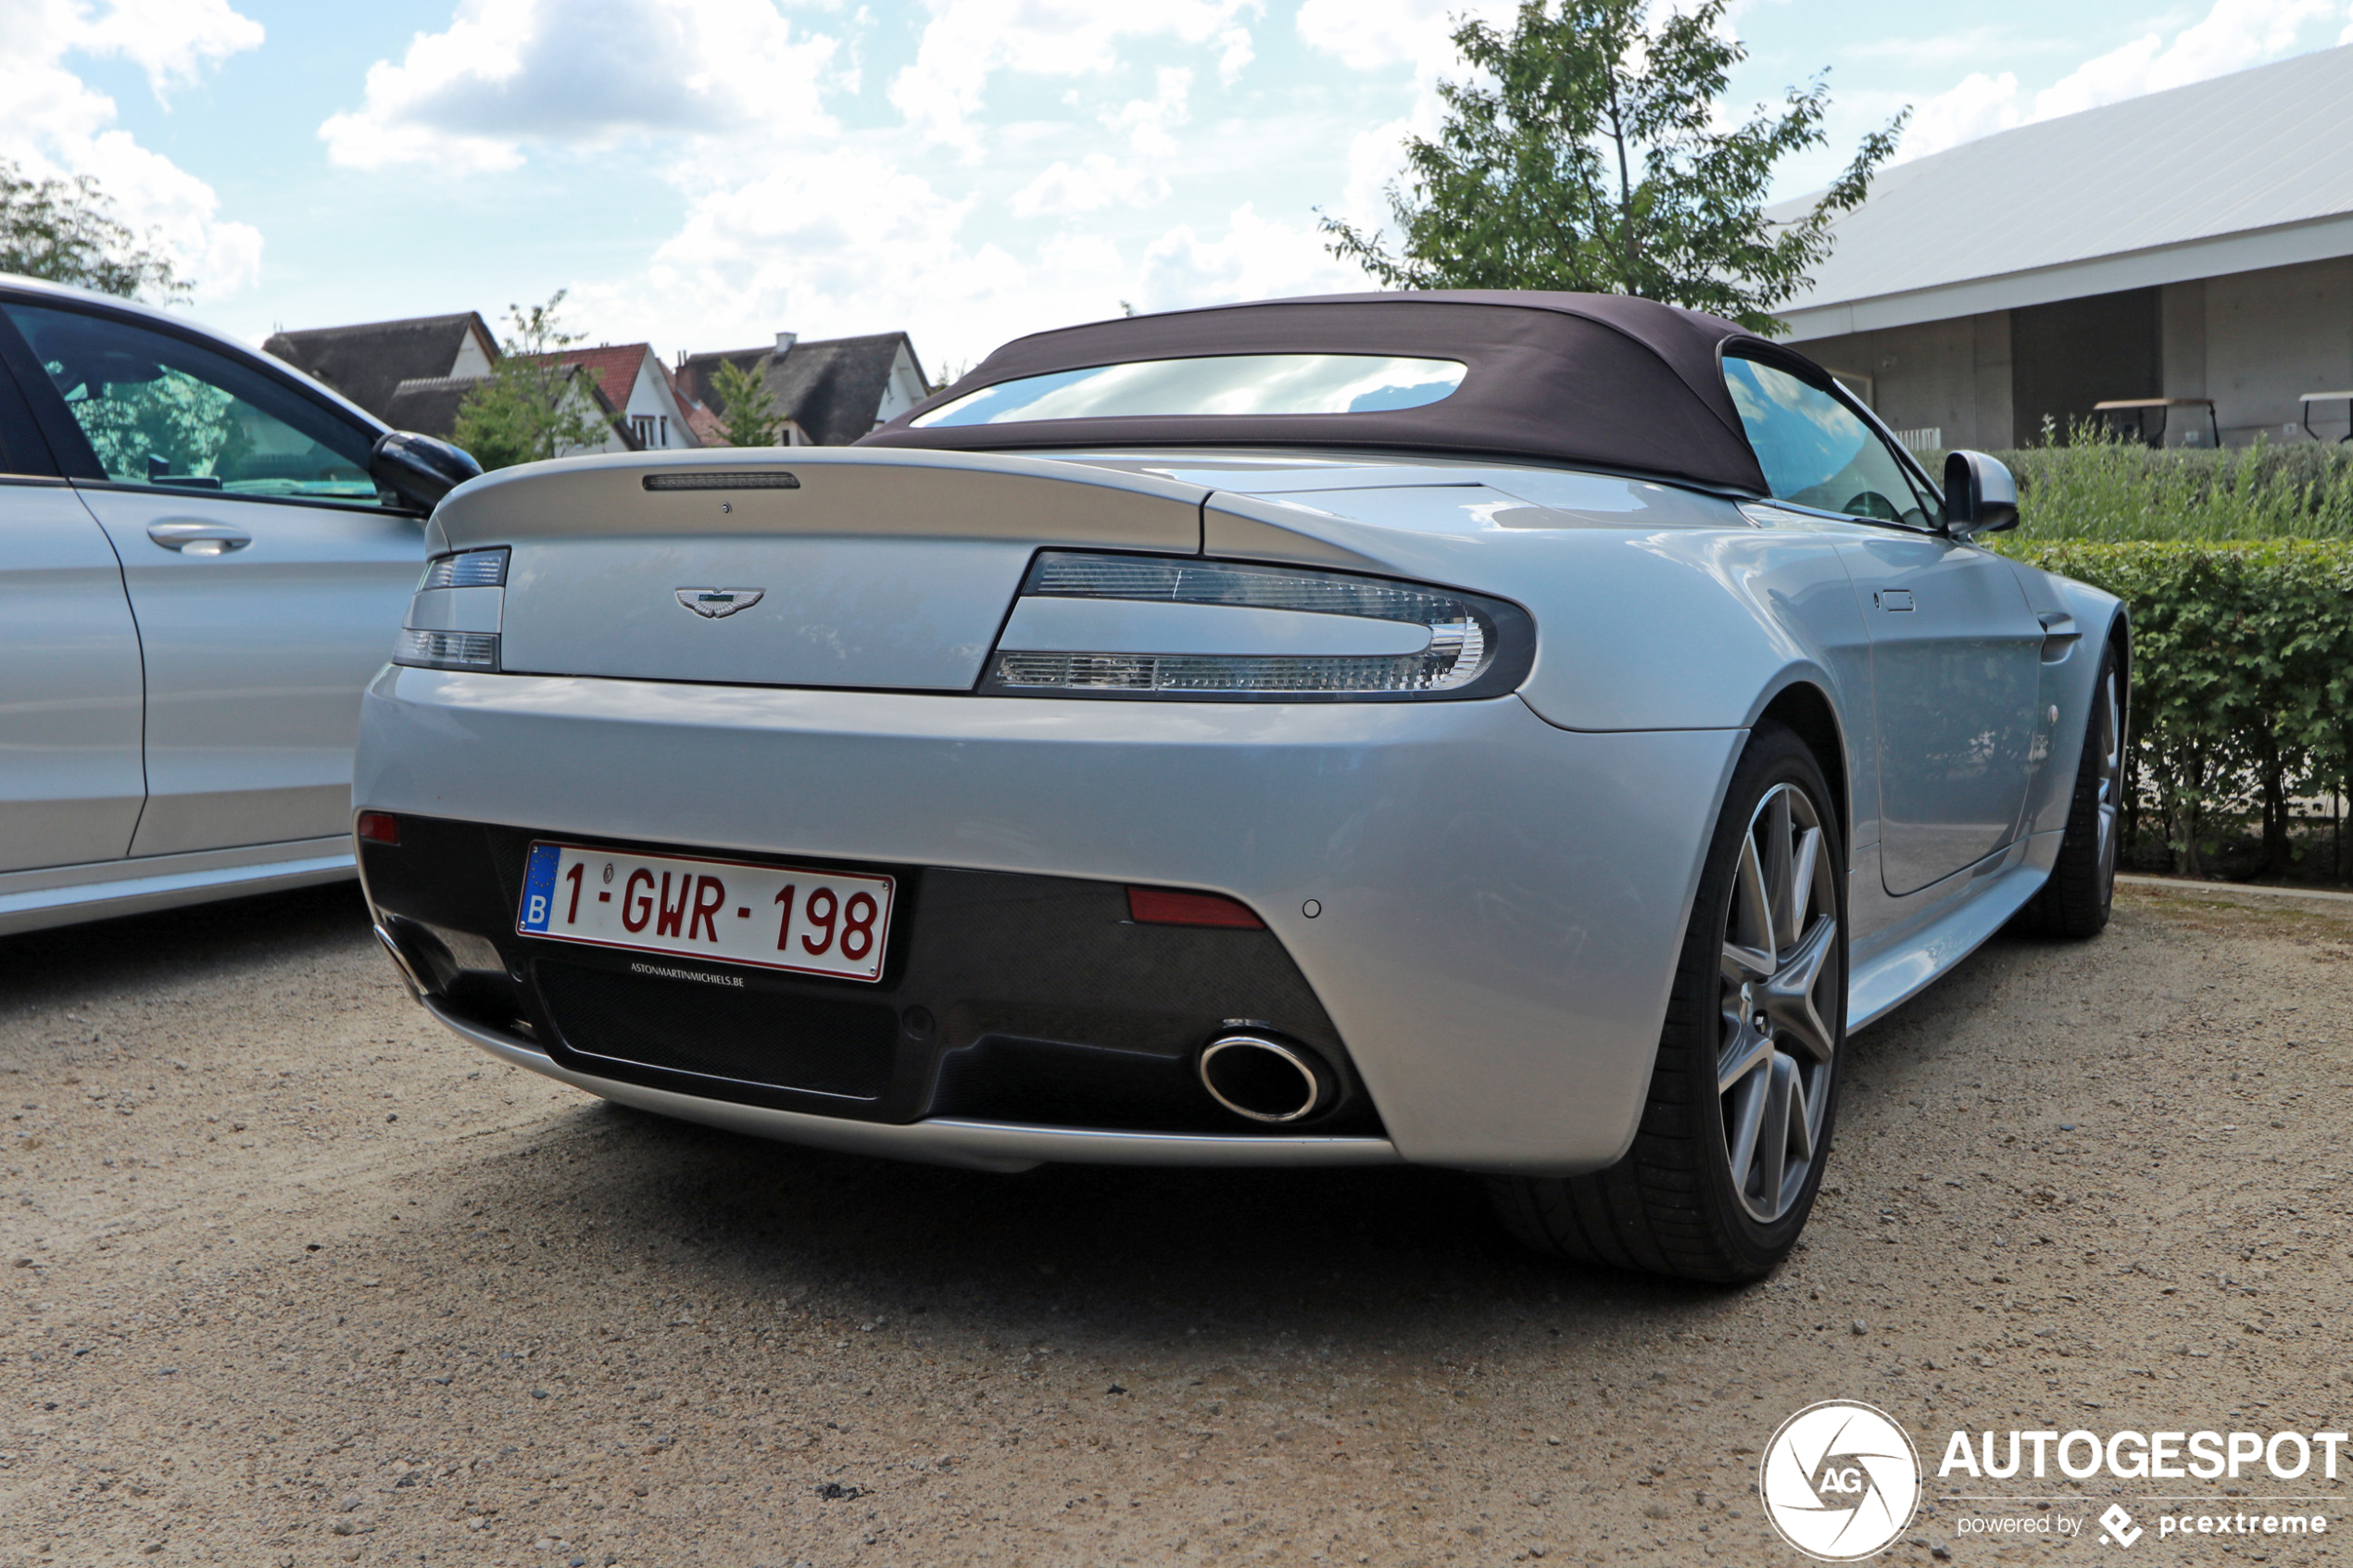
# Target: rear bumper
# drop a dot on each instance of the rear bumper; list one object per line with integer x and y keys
{"x": 978, "y": 1146}
{"x": 1500, "y": 903}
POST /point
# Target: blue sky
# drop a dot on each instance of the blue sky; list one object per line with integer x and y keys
{"x": 704, "y": 173}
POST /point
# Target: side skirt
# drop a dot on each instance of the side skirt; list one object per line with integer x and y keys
{"x": 1911, "y": 960}
{"x": 53, "y": 896}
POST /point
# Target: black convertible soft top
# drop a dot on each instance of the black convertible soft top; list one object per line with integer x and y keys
{"x": 1605, "y": 380}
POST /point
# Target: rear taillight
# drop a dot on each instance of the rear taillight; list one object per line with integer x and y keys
{"x": 454, "y": 618}
{"x": 1164, "y": 906}
{"x": 467, "y": 568}
{"x": 447, "y": 650}
{"x": 1161, "y": 627}
{"x": 379, "y": 827}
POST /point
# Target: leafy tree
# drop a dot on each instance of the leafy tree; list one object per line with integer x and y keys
{"x": 185, "y": 422}
{"x": 534, "y": 406}
{"x": 1588, "y": 156}
{"x": 747, "y": 414}
{"x": 66, "y": 231}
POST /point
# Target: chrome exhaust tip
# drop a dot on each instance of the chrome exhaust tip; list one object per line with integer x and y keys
{"x": 1266, "y": 1079}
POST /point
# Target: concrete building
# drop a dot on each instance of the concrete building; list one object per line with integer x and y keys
{"x": 2193, "y": 246}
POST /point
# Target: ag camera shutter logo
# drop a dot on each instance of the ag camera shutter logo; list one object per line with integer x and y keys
{"x": 1841, "y": 1480}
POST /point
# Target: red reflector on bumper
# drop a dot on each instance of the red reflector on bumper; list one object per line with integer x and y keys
{"x": 380, "y": 827}
{"x": 1159, "y": 906}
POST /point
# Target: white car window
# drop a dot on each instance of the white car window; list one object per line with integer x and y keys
{"x": 1816, "y": 452}
{"x": 157, "y": 409}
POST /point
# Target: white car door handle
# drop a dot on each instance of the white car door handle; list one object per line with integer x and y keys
{"x": 199, "y": 538}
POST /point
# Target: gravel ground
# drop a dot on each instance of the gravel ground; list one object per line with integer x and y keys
{"x": 288, "y": 1276}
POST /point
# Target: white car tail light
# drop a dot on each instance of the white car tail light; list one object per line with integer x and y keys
{"x": 454, "y": 618}
{"x": 1145, "y": 626}
{"x": 470, "y": 568}
{"x": 447, "y": 650}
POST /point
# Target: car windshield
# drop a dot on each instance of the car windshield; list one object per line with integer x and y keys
{"x": 1221, "y": 384}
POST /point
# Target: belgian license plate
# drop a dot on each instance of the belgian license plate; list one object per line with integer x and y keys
{"x": 767, "y": 917}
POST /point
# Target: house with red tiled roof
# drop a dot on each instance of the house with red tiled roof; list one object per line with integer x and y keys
{"x": 417, "y": 374}
{"x": 637, "y": 394}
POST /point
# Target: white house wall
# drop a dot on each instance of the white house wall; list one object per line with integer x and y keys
{"x": 904, "y": 388}
{"x": 473, "y": 356}
{"x": 577, "y": 399}
{"x": 652, "y": 395}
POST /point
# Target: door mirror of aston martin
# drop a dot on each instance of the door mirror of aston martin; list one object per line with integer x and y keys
{"x": 1980, "y": 495}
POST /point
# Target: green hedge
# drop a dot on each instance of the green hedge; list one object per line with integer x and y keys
{"x": 2104, "y": 489}
{"x": 2242, "y": 679}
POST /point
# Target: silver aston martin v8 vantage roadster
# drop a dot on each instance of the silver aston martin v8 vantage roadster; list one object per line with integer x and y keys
{"x": 1522, "y": 733}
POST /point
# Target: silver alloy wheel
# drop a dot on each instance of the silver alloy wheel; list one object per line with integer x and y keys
{"x": 1780, "y": 976}
{"x": 2110, "y": 719}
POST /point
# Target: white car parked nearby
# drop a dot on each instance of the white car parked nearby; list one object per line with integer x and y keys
{"x": 204, "y": 556}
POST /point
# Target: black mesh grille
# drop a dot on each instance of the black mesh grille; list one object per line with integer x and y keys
{"x": 828, "y": 1047}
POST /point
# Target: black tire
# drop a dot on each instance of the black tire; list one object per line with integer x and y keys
{"x": 1671, "y": 1205}
{"x": 2075, "y": 901}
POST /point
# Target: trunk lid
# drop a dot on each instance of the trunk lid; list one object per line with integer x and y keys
{"x": 825, "y": 567}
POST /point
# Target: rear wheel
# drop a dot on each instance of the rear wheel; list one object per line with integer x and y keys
{"x": 2075, "y": 901}
{"x": 1724, "y": 1166}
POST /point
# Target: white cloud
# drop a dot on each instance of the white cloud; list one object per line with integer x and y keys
{"x": 795, "y": 222}
{"x": 1081, "y": 255}
{"x": 55, "y": 124}
{"x": 1257, "y": 258}
{"x": 1148, "y": 121}
{"x": 1370, "y": 34}
{"x": 2234, "y": 35}
{"x": 1377, "y": 34}
{"x": 507, "y": 73}
{"x": 1979, "y": 106}
{"x": 1096, "y": 181}
{"x": 1234, "y": 55}
{"x": 172, "y": 40}
{"x": 942, "y": 92}
{"x": 854, "y": 241}
{"x": 1099, "y": 180}
{"x": 1947, "y": 48}
{"x": 845, "y": 242}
